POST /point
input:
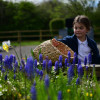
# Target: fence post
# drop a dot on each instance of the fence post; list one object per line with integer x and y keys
{"x": 19, "y": 37}
{"x": 40, "y": 35}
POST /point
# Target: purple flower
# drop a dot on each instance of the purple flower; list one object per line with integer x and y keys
{"x": 22, "y": 62}
{"x": 69, "y": 55}
{"x": 5, "y": 77}
{"x": 85, "y": 60}
{"x": 16, "y": 64}
{"x": 29, "y": 67}
{"x": 35, "y": 63}
{"x": 44, "y": 64}
{"x": 20, "y": 67}
{"x": 47, "y": 81}
{"x": 60, "y": 65}
{"x": 14, "y": 76}
{"x": 70, "y": 73}
{"x": 0, "y": 58}
{"x": 74, "y": 61}
{"x": 11, "y": 59}
{"x": 78, "y": 81}
{"x": 37, "y": 71}
{"x": 59, "y": 95}
{"x": 90, "y": 58}
{"x": 60, "y": 59}
{"x": 75, "y": 55}
{"x": 66, "y": 62}
{"x": 49, "y": 64}
{"x": 79, "y": 61}
{"x": 41, "y": 74}
{"x": 80, "y": 71}
{"x": 34, "y": 93}
{"x": 14, "y": 58}
{"x": 2, "y": 70}
{"x": 40, "y": 58}
{"x": 56, "y": 65}
{"x": 86, "y": 68}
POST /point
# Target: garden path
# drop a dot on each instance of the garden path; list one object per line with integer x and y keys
{"x": 25, "y": 50}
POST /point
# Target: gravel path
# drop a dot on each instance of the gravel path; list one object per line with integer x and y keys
{"x": 25, "y": 50}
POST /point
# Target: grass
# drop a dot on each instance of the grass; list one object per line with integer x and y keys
{"x": 25, "y": 43}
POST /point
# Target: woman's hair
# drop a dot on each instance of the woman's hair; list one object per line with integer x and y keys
{"x": 82, "y": 19}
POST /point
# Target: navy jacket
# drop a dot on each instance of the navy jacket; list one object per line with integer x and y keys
{"x": 72, "y": 42}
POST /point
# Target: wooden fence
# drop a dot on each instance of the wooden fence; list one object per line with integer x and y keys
{"x": 19, "y": 34}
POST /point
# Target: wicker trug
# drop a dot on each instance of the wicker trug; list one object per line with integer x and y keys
{"x": 52, "y": 51}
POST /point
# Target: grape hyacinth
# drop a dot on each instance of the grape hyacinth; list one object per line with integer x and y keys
{"x": 85, "y": 61}
{"x": 49, "y": 65}
{"x": 78, "y": 81}
{"x": 90, "y": 58}
{"x": 66, "y": 61}
{"x": 69, "y": 55}
{"x": 47, "y": 81}
{"x": 35, "y": 63}
{"x": 34, "y": 93}
{"x": 40, "y": 58}
{"x": 80, "y": 71}
{"x": 29, "y": 67}
{"x": 41, "y": 74}
{"x": 56, "y": 65}
{"x": 0, "y": 58}
{"x": 44, "y": 64}
{"x": 60, "y": 59}
{"x": 60, "y": 95}
{"x": 70, "y": 73}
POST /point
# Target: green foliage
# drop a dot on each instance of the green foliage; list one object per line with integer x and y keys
{"x": 57, "y": 24}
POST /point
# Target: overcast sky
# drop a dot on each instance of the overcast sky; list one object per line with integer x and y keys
{"x": 39, "y": 1}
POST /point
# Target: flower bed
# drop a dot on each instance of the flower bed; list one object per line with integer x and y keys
{"x": 27, "y": 80}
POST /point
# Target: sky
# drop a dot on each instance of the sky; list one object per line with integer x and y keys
{"x": 39, "y": 1}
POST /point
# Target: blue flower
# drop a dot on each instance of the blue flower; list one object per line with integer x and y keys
{"x": 80, "y": 71}
{"x": 74, "y": 61}
{"x": 90, "y": 58}
{"x": 20, "y": 67}
{"x": 16, "y": 64}
{"x": 5, "y": 77}
{"x": 85, "y": 60}
{"x": 86, "y": 68}
{"x": 29, "y": 67}
{"x": 35, "y": 63}
{"x": 60, "y": 59}
{"x": 11, "y": 59}
{"x": 59, "y": 95}
{"x": 79, "y": 61}
{"x": 44, "y": 64}
{"x": 60, "y": 65}
{"x": 22, "y": 62}
{"x": 34, "y": 93}
{"x": 37, "y": 71}
{"x": 69, "y": 55}
{"x": 0, "y": 58}
{"x": 14, "y": 58}
{"x": 70, "y": 73}
{"x": 49, "y": 64}
{"x": 41, "y": 74}
{"x": 78, "y": 81}
{"x": 47, "y": 81}
{"x": 66, "y": 62}
{"x": 14, "y": 76}
{"x": 40, "y": 58}
{"x": 2, "y": 70}
{"x": 56, "y": 65}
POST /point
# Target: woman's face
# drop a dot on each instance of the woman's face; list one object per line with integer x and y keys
{"x": 80, "y": 31}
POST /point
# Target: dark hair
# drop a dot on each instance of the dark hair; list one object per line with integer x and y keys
{"x": 82, "y": 19}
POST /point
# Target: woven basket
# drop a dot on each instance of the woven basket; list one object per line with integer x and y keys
{"x": 53, "y": 50}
